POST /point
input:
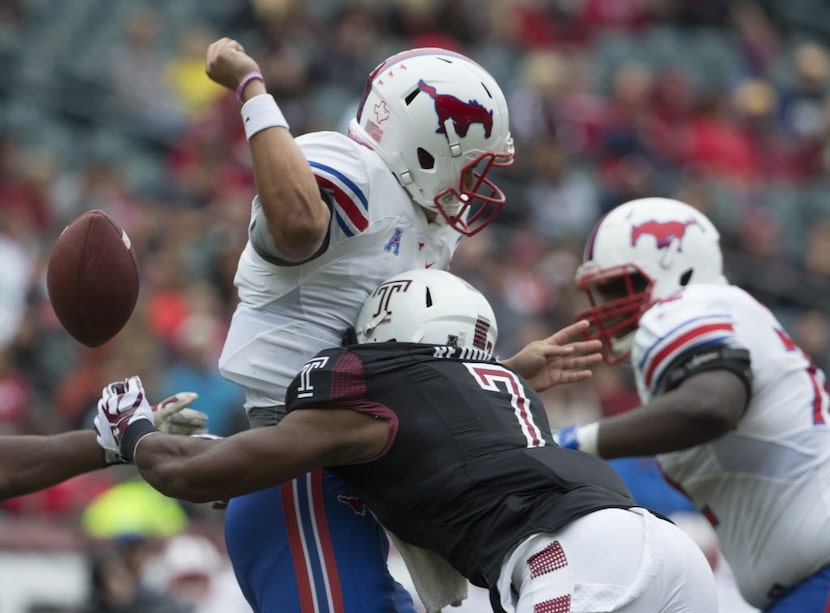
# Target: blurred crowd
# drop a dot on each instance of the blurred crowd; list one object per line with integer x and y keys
{"x": 721, "y": 103}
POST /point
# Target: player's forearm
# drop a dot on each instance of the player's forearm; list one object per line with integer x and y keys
{"x": 29, "y": 463}
{"x": 177, "y": 467}
{"x": 666, "y": 424}
{"x": 200, "y": 470}
{"x": 297, "y": 217}
{"x": 703, "y": 408}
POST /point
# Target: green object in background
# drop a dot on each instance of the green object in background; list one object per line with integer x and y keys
{"x": 133, "y": 508}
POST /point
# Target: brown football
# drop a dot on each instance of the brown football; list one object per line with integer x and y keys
{"x": 93, "y": 278}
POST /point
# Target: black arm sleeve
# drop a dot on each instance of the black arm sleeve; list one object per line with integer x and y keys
{"x": 701, "y": 359}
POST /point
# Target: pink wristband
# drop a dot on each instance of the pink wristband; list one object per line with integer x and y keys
{"x": 245, "y": 80}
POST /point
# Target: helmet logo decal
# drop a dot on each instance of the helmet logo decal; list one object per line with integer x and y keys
{"x": 665, "y": 232}
{"x": 381, "y": 111}
{"x": 462, "y": 114}
{"x": 385, "y": 291}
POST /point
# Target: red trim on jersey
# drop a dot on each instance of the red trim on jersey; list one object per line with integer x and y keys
{"x": 679, "y": 342}
{"x": 345, "y": 203}
{"x": 710, "y": 516}
{"x": 524, "y": 411}
{"x": 348, "y": 378}
{"x": 294, "y": 531}
{"x": 487, "y": 374}
{"x": 788, "y": 343}
{"x": 327, "y": 549}
{"x": 818, "y": 396}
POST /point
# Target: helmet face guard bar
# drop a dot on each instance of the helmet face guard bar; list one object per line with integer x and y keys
{"x": 470, "y": 208}
{"x": 613, "y": 316}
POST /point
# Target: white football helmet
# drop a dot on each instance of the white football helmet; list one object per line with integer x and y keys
{"x": 428, "y": 306}
{"x": 641, "y": 252}
{"x": 440, "y": 123}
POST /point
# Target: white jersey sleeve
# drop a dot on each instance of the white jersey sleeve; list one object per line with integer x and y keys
{"x": 343, "y": 176}
{"x": 763, "y": 486}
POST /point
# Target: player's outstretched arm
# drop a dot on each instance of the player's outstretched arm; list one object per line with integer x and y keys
{"x": 29, "y": 463}
{"x": 704, "y": 407}
{"x": 558, "y": 359}
{"x": 297, "y": 217}
{"x": 202, "y": 470}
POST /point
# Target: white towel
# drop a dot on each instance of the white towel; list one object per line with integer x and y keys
{"x": 438, "y": 584}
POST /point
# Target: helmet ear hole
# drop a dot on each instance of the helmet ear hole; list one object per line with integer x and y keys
{"x": 425, "y": 159}
{"x": 429, "y": 298}
{"x": 686, "y": 277}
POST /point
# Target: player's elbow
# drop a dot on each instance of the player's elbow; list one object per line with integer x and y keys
{"x": 297, "y": 245}
{"x": 9, "y": 486}
{"x": 174, "y": 482}
{"x": 713, "y": 419}
{"x": 715, "y": 401}
{"x": 297, "y": 220}
{"x": 299, "y": 239}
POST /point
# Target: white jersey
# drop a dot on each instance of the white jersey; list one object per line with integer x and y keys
{"x": 766, "y": 485}
{"x": 288, "y": 313}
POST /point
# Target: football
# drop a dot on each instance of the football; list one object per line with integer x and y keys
{"x": 92, "y": 278}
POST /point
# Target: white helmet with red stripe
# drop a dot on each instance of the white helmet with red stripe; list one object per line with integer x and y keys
{"x": 428, "y": 306}
{"x": 643, "y": 251}
{"x": 440, "y": 123}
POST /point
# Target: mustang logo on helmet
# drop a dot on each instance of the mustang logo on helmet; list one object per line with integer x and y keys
{"x": 463, "y": 114}
{"x": 665, "y": 232}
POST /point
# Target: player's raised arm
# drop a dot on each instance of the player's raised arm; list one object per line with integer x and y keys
{"x": 297, "y": 217}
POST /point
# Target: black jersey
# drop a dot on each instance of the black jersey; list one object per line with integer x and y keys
{"x": 471, "y": 467}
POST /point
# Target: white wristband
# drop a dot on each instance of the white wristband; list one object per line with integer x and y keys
{"x": 588, "y": 438}
{"x": 261, "y": 112}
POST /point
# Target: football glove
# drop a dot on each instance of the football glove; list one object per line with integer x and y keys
{"x": 122, "y": 403}
{"x": 172, "y": 416}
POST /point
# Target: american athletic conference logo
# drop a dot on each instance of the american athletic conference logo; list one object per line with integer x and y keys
{"x": 664, "y": 232}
